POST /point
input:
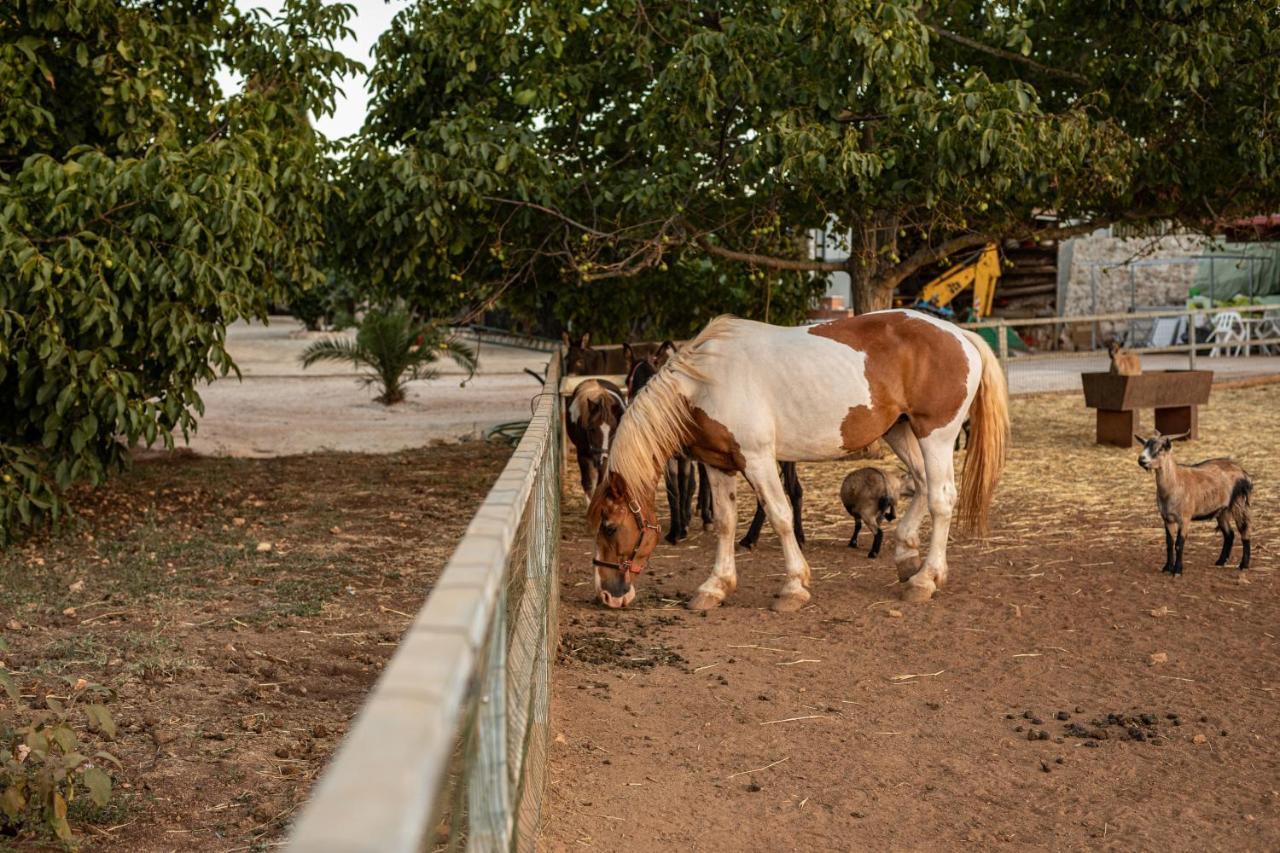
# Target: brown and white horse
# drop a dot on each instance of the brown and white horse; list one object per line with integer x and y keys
{"x": 592, "y": 416}
{"x": 743, "y": 395}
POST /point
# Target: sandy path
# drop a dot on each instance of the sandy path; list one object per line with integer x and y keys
{"x": 278, "y": 408}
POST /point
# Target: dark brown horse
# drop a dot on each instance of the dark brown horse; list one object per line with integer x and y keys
{"x": 592, "y": 415}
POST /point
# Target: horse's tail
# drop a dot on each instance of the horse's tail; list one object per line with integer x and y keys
{"x": 988, "y": 440}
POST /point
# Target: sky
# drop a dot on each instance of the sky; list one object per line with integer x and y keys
{"x": 371, "y": 19}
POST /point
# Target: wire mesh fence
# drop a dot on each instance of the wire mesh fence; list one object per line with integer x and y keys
{"x": 449, "y": 752}
{"x": 1050, "y": 353}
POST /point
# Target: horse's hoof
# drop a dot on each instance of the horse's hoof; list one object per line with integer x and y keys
{"x": 908, "y": 566}
{"x": 745, "y": 546}
{"x": 791, "y": 602}
{"x": 704, "y": 601}
{"x": 918, "y": 593}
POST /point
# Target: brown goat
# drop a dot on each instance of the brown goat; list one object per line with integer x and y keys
{"x": 1215, "y": 488}
{"x": 871, "y": 495}
{"x": 1123, "y": 362}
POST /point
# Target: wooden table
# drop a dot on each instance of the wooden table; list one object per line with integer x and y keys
{"x": 1176, "y": 396}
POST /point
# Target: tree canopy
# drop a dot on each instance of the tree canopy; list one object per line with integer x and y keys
{"x": 141, "y": 212}
{"x": 570, "y": 146}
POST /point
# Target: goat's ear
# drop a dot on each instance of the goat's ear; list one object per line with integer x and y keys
{"x": 1139, "y": 439}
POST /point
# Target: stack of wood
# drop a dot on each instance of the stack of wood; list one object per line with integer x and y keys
{"x": 1028, "y": 288}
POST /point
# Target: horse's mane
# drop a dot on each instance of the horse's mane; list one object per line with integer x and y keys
{"x": 659, "y": 421}
{"x": 588, "y": 391}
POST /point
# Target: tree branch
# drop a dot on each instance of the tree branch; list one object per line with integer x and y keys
{"x": 1006, "y": 54}
{"x": 769, "y": 260}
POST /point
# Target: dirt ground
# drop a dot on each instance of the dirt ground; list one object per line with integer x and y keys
{"x": 864, "y": 723}
{"x": 237, "y": 612}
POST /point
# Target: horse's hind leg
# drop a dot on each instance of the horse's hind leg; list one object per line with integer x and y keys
{"x": 762, "y": 473}
{"x": 939, "y": 466}
{"x": 688, "y": 488}
{"x": 748, "y": 540}
{"x": 906, "y": 551}
{"x": 724, "y": 575}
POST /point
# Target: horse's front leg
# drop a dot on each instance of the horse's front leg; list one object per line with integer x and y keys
{"x": 587, "y": 470}
{"x": 906, "y": 552}
{"x": 762, "y": 473}
{"x": 939, "y": 466}
{"x": 724, "y": 575}
{"x": 677, "y": 529}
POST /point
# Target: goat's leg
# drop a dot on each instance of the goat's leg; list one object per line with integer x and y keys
{"x": 857, "y": 528}
{"x": 1242, "y": 521}
{"x": 1168, "y": 547}
{"x": 875, "y": 544}
{"x": 748, "y": 539}
{"x": 1228, "y": 538}
{"x": 1178, "y": 542}
{"x": 795, "y": 493}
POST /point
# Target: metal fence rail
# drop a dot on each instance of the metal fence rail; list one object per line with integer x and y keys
{"x": 1062, "y": 348}
{"x": 449, "y": 750}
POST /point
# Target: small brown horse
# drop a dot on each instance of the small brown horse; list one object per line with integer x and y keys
{"x": 744, "y": 395}
{"x": 592, "y": 416}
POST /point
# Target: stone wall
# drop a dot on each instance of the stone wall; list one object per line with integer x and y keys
{"x": 1153, "y": 284}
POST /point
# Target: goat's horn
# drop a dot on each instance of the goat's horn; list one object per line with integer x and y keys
{"x": 1139, "y": 438}
{"x": 1179, "y": 437}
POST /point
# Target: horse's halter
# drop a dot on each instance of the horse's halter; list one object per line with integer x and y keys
{"x": 626, "y": 565}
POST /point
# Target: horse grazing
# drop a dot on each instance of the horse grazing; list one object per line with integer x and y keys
{"x": 743, "y": 395}
{"x": 593, "y": 414}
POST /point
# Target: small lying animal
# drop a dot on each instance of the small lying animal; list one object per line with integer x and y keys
{"x": 1123, "y": 362}
{"x": 871, "y": 495}
{"x": 1215, "y": 488}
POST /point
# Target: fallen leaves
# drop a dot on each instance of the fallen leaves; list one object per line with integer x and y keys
{"x": 1159, "y": 658}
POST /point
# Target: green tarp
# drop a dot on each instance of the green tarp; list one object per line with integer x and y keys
{"x": 1245, "y": 269}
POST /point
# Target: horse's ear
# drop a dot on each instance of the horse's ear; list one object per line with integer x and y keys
{"x": 628, "y": 357}
{"x": 586, "y": 341}
{"x": 564, "y": 337}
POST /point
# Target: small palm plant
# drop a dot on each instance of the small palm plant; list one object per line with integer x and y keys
{"x": 393, "y": 348}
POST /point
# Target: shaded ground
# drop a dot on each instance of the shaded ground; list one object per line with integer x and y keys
{"x": 864, "y": 723}
{"x": 238, "y": 611}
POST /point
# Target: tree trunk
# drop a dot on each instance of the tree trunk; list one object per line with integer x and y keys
{"x": 873, "y": 252}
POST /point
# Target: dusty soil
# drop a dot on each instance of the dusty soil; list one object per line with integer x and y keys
{"x": 236, "y": 612}
{"x": 1059, "y": 693}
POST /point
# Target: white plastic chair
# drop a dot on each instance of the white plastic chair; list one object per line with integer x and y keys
{"x": 1228, "y": 328}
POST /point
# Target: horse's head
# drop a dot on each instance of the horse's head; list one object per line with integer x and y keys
{"x": 579, "y": 358}
{"x": 626, "y": 533}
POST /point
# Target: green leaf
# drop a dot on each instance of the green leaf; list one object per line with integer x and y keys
{"x": 100, "y": 719}
{"x": 99, "y": 785}
{"x": 10, "y": 688}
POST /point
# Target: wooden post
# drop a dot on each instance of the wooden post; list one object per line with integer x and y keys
{"x": 1191, "y": 339}
{"x": 1002, "y": 346}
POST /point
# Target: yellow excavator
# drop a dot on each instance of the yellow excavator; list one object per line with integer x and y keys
{"x": 980, "y": 272}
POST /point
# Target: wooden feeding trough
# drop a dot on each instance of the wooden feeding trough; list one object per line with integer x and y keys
{"x": 1174, "y": 394}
